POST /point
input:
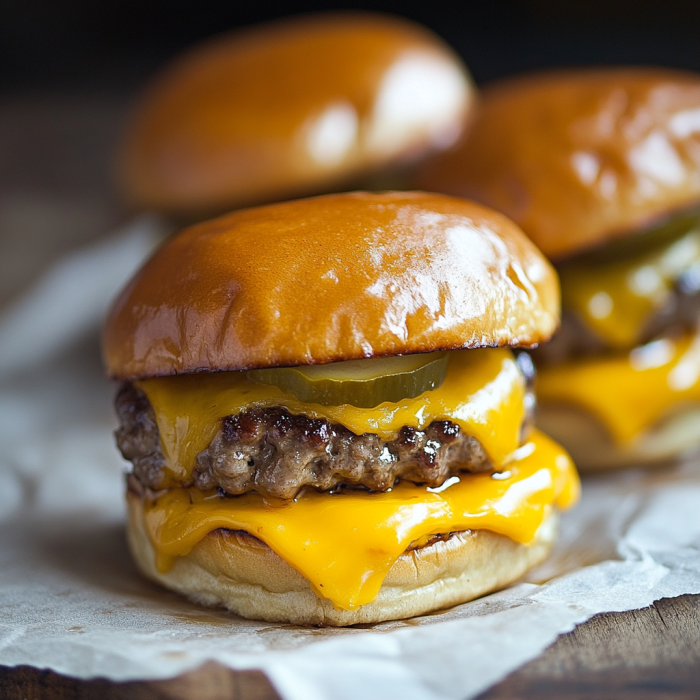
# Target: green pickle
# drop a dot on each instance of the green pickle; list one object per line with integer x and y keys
{"x": 361, "y": 383}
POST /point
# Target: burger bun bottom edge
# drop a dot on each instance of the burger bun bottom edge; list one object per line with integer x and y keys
{"x": 239, "y": 572}
{"x": 593, "y": 449}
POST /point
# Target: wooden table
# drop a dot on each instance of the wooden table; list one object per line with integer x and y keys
{"x": 649, "y": 654}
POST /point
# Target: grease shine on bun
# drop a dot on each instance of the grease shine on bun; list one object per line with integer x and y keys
{"x": 577, "y": 158}
{"x": 338, "y": 277}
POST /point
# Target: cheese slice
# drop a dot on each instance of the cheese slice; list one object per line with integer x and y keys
{"x": 345, "y": 543}
{"x": 628, "y": 393}
{"x": 482, "y": 392}
{"x": 617, "y": 298}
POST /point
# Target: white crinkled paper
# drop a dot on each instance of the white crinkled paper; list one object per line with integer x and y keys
{"x": 72, "y": 601}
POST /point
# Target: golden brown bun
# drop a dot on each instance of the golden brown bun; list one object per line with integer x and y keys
{"x": 576, "y": 158}
{"x": 332, "y": 278}
{"x": 244, "y": 575}
{"x": 292, "y": 108}
{"x": 593, "y": 450}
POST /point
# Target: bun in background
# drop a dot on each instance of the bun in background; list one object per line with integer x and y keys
{"x": 292, "y": 108}
{"x": 577, "y": 158}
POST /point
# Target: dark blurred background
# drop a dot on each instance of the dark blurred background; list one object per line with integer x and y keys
{"x": 119, "y": 42}
{"x": 70, "y": 71}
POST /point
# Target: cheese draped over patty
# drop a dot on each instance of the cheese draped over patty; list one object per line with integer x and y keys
{"x": 628, "y": 393}
{"x": 482, "y": 392}
{"x": 616, "y": 292}
{"x": 345, "y": 543}
{"x": 616, "y": 298}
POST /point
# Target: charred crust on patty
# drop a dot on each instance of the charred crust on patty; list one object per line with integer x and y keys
{"x": 277, "y": 454}
{"x": 137, "y": 436}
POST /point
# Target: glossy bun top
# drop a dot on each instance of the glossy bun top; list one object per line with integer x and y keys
{"x": 577, "y": 158}
{"x": 290, "y": 108}
{"x": 339, "y": 277}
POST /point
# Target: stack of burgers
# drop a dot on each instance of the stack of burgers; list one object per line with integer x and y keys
{"x": 329, "y": 403}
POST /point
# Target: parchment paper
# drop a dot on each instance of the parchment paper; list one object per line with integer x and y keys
{"x": 72, "y": 601}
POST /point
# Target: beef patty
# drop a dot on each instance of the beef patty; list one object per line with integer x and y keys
{"x": 275, "y": 453}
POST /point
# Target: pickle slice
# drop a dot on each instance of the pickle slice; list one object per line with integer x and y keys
{"x": 361, "y": 383}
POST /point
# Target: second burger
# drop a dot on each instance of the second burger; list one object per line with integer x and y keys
{"x": 601, "y": 168}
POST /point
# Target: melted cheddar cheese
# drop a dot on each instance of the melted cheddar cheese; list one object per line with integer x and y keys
{"x": 617, "y": 298}
{"x": 631, "y": 392}
{"x": 344, "y": 544}
{"x": 482, "y": 392}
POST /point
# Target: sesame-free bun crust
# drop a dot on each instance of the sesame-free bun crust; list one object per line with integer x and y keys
{"x": 239, "y": 572}
{"x": 291, "y": 108}
{"x": 332, "y": 278}
{"x": 579, "y": 157}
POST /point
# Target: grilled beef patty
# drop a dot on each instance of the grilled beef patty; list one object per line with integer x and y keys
{"x": 275, "y": 453}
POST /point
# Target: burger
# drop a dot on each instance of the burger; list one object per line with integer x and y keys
{"x": 601, "y": 168}
{"x": 296, "y": 107}
{"x": 327, "y": 416}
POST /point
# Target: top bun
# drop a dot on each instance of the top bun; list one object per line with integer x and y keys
{"x": 292, "y": 108}
{"x": 577, "y": 158}
{"x": 340, "y": 277}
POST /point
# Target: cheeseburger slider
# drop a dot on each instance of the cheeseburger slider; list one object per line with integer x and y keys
{"x": 295, "y": 107}
{"x": 326, "y": 420}
{"x": 601, "y": 168}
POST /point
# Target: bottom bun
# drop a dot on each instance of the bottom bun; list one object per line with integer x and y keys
{"x": 593, "y": 449}
{"x": 239, "y": 572}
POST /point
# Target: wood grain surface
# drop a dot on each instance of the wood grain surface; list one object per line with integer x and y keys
{"x": 649, "y": 654}
{"x": 642, "y": 654}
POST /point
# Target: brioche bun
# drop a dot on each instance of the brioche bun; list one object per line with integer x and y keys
{"x": 239, "y": 572}
{"x": 577, "y": 158}
{"x": 340, "y": 277}
{"x": 296, "y": 107}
